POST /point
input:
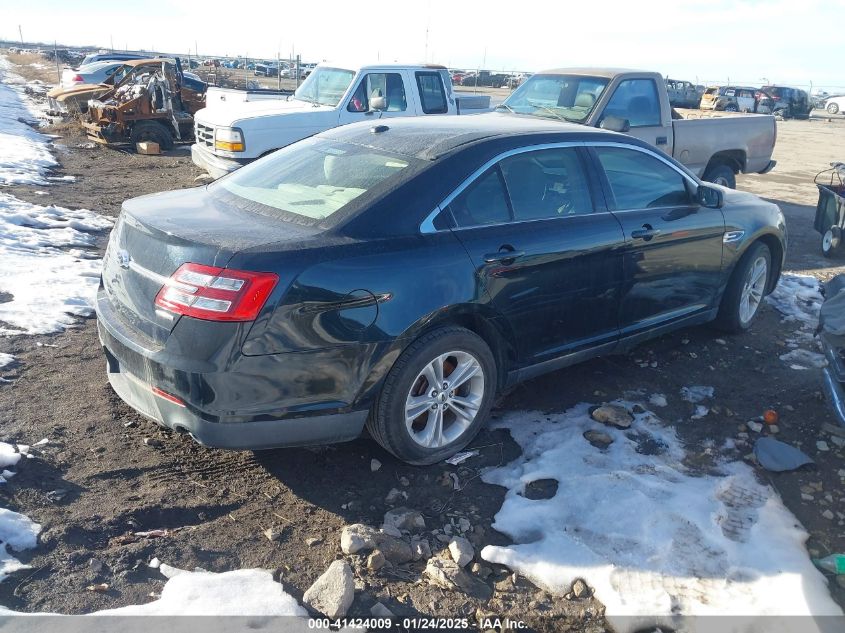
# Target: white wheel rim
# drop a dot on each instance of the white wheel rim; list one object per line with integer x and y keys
{"x": 827, "y": 240}
{"x": 444, "y": 399}
{"x": 721, "y": 180}
{"x": 753, "y": 289}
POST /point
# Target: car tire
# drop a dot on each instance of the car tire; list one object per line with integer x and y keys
{"x": 832, "y": 242}
{"x": 434, "y": 434}
{"x": 746, "y": 289}
{"x": 832, "y": 108}
{"x": 731, "y": 107}
{"x": 721, "y": 174}
{"x": 152, "y": 131}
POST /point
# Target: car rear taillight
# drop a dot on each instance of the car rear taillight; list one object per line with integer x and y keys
{"x": 78, "y": 78}
{"x": 216, "y": 294}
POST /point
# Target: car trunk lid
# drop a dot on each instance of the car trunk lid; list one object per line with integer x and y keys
{"x": 154, "y": 235}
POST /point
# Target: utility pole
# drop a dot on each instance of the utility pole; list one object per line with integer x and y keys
{"x": 56, "y": 55}
{"x": 111, "y": 38}
{"x": 20, "y": 32}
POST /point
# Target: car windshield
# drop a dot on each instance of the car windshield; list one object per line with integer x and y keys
{"x": 325, "y": 86}
{"x": 313, "y": 178}
{"x": 565, "y": 97}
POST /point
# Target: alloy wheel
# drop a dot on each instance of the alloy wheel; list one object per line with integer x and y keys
{"x": 753, "y": 289}
{"x": 444, "y": 399}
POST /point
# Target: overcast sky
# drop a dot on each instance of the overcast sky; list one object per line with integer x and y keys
{"x": 747, "y": 41}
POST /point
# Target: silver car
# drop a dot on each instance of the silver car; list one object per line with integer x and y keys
{"x": 95, "y": 73}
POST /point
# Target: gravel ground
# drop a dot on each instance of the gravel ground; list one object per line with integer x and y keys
{"x": 218, "y": 503}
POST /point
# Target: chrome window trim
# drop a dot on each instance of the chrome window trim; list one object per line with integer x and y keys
{"x": 427, "y": 225}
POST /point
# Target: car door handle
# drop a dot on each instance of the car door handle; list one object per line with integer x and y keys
{"x": 503, "y": 256}
{"x": 645, "y": 233}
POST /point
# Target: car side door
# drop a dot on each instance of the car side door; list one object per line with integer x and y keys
{"x": 638, "y": 101}
{"x": 546, "y": 255}
{"x": 673, "y": 246}
{"x": 377, "y": 95}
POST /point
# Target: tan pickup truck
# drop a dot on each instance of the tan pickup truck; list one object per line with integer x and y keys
{"x": 637, "y": 103}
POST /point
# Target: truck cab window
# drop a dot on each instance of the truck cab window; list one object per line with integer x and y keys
{"x": 637, "y": 101}
{"x": 387, "y": 85}
{"x": 432, "y": 95}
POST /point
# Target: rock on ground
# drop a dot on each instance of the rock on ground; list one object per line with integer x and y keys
{"x": 445, "y": 573}
{"x": 461, "y": 551}
{"x": 356, "y": 538}
{"x": 613, "y": 414}
{"x": 404, "y": 519}
{"x": 333, "y": 592}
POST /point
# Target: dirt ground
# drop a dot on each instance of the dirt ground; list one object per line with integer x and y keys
{"x": 218, "y": 503}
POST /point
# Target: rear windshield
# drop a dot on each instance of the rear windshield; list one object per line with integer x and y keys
{"x": 313, "y": 179}
{"x": 712, "y": 91}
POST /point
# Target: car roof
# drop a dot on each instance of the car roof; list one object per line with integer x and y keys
{"x": 429, "y": 138}
{"x": 351, "y": 64}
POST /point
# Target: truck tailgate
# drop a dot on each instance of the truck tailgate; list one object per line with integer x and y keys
{"x": 752, "y": 135}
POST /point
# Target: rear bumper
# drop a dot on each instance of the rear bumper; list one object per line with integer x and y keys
{"x": 237, "y": 421}
{"x": 214, "y": 165}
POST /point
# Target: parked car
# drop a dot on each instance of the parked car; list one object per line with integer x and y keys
{"x": 154, "y": 101}
{"x": 266, "y": 69}
{"x": 636, "y": 102}
{"x": 729, "y": 99}
{"x": 834, "y": 105}
{"x": 303, "y": 306}
{"x": 95, "y": 73}
{"x": 485, "y": 78}
{"x": 682, "y": 94}
{"x": 108, "y": 57}
{"x": 789, "y": 102}
{"x": 332, "y": 95}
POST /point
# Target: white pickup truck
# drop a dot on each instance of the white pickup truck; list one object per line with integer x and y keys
{"x": 231, "y": 133}
{"x": 637, "y": 103}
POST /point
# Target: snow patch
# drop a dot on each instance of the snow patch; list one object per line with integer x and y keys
{"x": 242, "y": 592}
{"x": 8, "y": 455}
{"x": 804, "y": 359}
{"x": 25, "y": 156}
{"x": 696, "y": 394}
{"x": 651, "y": 537}
{"x": 48, "y": 267}
{"x": 6, "y": 359}
{"x": 658, "y": 400}
{"x": 798, "y": 298}
{"x": 19, "y": 533}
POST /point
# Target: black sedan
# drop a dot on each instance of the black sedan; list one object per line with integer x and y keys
{"x": 397, "y": 274}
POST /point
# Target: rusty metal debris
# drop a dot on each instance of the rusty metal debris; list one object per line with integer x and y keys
{"x": 153, "y": 101}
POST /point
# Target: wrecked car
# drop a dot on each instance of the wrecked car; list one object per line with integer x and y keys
{"x": 154, "y": 101}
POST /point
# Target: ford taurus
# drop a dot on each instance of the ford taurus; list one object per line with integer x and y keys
{"x": 397, "y": 274}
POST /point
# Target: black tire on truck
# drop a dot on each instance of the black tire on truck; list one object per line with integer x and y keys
{"x": 720, "y": 174}
{"x": 152, "y": 131}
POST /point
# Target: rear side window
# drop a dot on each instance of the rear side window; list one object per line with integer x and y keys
{"x": 546, "y": 184}
{"x": 641, "y": 181}
{"x": 484, "y": 201}
{"x": 637, "y": 101}
{"x": 432, "y": 94}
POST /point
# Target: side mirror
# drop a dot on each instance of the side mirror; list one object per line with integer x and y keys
{"x": 378, "y": 103}
{"x": 615, "y": 124}
{"x": 709, "y": 197}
